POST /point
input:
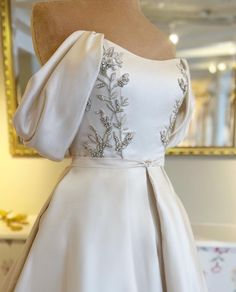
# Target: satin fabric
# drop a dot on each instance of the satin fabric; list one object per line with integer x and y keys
{"x": 110, "y": 224}
{"x": 55, "y": 97}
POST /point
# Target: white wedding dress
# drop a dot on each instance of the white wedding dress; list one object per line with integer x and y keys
{"x": 113, "y": 222}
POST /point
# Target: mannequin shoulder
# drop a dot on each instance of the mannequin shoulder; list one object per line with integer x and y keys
{"x": 46, "y": 28}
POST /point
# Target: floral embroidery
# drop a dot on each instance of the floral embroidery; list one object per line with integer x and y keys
{"x": 167, "y": 130}
{"x": 88, "y": 106}
{"x": 165, "y": 133}
{"x": 114, "y": 122}
{"x": 183, "y": 81}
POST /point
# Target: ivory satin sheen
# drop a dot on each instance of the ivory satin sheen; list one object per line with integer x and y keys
{"x": 113, "y": 222}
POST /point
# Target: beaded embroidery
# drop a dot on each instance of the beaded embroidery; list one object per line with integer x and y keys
{"x": 88, "y": 105}
{"x": 114, "y": 123}
{"x": 183, "y": 83}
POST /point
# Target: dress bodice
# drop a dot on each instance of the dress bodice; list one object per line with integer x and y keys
{"x": 96, "y": 98}
{"x": 133, "y": 106}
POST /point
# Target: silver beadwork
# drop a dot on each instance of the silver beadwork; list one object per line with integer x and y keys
{"x": 88, "y": 105}
{"x": 114, "y": 123}
{"x": 183, "y": 82}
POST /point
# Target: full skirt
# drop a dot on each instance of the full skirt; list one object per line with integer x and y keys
{"x": 109, "y": 228}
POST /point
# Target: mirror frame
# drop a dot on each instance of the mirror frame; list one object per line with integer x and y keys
{"x": 17, "y": 148}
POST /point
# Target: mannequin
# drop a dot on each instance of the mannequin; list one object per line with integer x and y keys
{"x": 120, "y": 21}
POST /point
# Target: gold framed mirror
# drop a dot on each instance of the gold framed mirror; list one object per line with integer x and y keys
{"x": 11, "y": 89}
{"x": 212, "y": 64}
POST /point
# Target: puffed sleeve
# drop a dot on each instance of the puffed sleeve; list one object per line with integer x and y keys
{"x": 53, "y": 103}
{"x": 184, "y": 118}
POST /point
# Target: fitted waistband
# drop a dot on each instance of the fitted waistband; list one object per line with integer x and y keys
{"x": 110, "y": 162}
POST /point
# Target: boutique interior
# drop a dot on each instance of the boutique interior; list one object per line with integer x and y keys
{"x": 202, "y": 167}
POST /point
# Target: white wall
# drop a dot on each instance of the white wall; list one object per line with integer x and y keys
{"x": 207, "y": 187}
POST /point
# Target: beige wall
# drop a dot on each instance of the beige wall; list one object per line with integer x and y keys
{"x": 25, "y": 183}
{"x": 206, "y": 185}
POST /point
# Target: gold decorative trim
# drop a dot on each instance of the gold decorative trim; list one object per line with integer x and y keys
{"x": 16, "y": 148}
{"x": 201, "y": 151}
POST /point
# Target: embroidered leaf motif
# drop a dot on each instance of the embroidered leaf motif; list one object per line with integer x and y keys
{"x": 88, "y": 105}
{"x": 115, "y": 103}
{"x": 183, "y": 82}
{"x": 101, "y": 85}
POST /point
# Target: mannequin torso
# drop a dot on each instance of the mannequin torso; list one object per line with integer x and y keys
{"x": 121, "y": 22}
